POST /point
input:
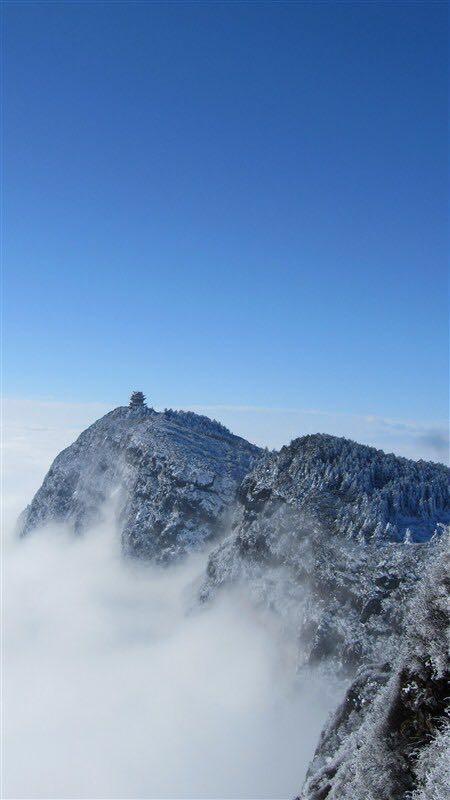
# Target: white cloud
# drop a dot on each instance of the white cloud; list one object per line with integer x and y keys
{"x": 34, "y": 431}
{"x": 113, "y": 687}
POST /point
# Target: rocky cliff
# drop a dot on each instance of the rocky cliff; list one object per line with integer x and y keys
{"x": 332, "y": 535}
{"x": 390, "y": 738}
{"x": 172, "y": 475}
{"x": 336, "y": 537}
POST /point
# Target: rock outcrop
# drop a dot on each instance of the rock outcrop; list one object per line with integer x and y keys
{"x": 390, "y": 738}
{"x": 173, "y": 476}
{"x": 337, "y": 538}
{"x": 333, "y": 535}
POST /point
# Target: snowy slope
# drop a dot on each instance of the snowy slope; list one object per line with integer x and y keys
{"x": 173, "y": 475}
{"x": 319, "y": 536}
{"x": 358, "y": 491}
{"x": 390, "y": 738}
{"x": 335, "y": 537}
{"x": 332, "y": 535}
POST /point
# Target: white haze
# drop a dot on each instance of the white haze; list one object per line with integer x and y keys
{"x": 115, "y": 684}
{"x": 58, "y": 423}
{"x": 111, "y": 689}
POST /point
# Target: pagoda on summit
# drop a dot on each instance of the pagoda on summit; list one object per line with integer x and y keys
{"x": 137, "y": 400}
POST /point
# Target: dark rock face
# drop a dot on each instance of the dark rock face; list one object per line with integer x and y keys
{"x": 173, "y": 475}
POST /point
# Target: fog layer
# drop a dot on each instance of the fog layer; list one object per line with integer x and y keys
{"x": 116, "y": 684}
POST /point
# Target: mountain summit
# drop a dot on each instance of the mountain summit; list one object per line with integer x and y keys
{"x": 333, "y": 536}
{"x": 173, "y": 476}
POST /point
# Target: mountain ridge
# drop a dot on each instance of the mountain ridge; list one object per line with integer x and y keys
{"x": 332, "y": 535}
{"x": 176, "y": 474}
{"x": 333, "y": 522}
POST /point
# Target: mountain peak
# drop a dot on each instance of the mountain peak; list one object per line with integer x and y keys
{"x": 174, "y": 473}
{"x": 363, "y": 491}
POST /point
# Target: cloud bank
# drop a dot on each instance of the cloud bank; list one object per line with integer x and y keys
{"x": 115, "y": 683}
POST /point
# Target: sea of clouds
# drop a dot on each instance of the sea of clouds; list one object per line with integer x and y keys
{"x": 116, "y": 684}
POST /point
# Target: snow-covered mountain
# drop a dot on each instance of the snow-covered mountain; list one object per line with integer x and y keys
{"x": 390, "y": 738}
{"x": 173, "y": 476}
{"x": 335, "y": 536}
{"x": 357, "y": 491}
{"x": 332, "y": 535}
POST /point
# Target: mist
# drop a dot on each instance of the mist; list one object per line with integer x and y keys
{"x": 117, "y": 684}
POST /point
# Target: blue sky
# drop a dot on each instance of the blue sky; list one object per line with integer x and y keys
{"x": 227, "y": 204}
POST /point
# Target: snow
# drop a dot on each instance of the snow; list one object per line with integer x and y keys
{"x": 304, "y": 512}
{"x": 174, "y": 474}
{"x": 346, "y": 544}
{"x": 398, "y": 747}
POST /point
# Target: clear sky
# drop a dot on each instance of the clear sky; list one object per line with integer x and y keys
{"x": 227, "y": 203}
